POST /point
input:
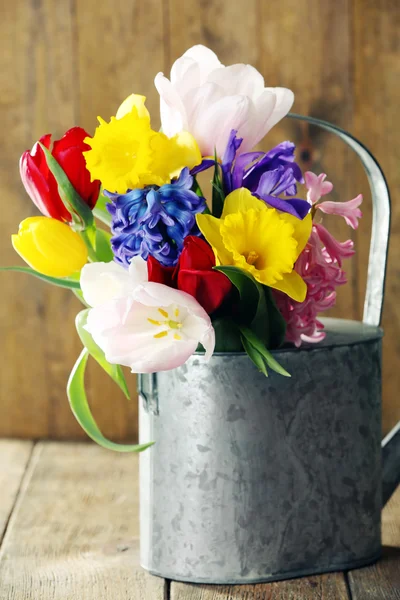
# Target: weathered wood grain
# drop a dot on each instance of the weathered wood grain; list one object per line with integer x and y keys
{"x": 382, "y": 580}
{"x": 306, "y": 46}
{"x": 323, "y": 587}
{"x": 40, "y": 75}
{"x": 74, "y": 532}
{"x": 376, "y": 43}
{"x": 64, "y": 63}
{"x": 14, "y": 458}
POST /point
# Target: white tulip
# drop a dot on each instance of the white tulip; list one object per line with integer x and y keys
{"x": 208, "y": 100}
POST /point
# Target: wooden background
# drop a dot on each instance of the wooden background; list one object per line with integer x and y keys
{"x": 66, "y": 61}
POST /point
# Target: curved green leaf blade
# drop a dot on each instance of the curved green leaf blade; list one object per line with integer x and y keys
{"x": 218, "y": 196}
{"x": 114, "y": 371}
{"x": 80, "y": 211}
{"x": 65, "y": 282}
{"x": 250, "y": 291}
{"x": 255, "y": 356}
{"x": 81, "y": 410}
{"x": 255, "y": 341}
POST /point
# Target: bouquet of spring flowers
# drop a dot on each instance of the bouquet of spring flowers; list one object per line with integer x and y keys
{"x": 164, "y": 271}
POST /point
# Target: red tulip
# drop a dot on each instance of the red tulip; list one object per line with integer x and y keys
{"x": 194, "y": 274}
{"x": 40, "y": 183}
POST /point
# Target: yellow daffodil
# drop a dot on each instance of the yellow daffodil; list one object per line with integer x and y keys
{"x": 126, "y": 153}
{"x": 50, "y": 246}
{"x": 260, "y": 240}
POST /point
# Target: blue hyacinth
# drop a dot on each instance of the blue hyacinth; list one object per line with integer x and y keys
{"x": 154, "y": 221}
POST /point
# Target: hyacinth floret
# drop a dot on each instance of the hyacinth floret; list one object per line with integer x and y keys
{"x": 154, "y": 221}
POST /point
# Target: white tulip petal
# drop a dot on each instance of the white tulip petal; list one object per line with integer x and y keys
{"x": 213, "y": 127}
{"x": 205, "y": 58}
{"x": 138, "y": 271}
{"x": 172, "y": 109}
{"x": 257, "y": 125}
{"x": 238, "y": 79}
{"x": 185, "y": 75}
{"x": 101, "y": 282}
{"x": 284, "y": 102}
{"x": 154, "y": 328}
{"x": 208, "y": 343}
{"x": 190, "y": 103}
{"x": 200, "y": 99}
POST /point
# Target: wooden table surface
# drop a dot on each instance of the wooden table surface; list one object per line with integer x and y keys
{"x": 69, "y": 531}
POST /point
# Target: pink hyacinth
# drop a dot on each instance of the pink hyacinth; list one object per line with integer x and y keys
{"x": 318, "y": 187}
{"x": 320, "y": 266}
{"x": 349, "y": 210}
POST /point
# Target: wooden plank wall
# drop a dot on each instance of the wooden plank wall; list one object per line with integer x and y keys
{"x": 66, "y": 61}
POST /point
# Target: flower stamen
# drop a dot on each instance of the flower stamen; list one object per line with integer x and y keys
{"x": 252, "y": 257}
{"x": 161, "y": 334}
{"x": 163, "y": 313}
{"x": 154, "y": 322}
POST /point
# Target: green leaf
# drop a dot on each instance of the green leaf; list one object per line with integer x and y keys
{"x": 218, "y": 196}
{"x": 250, "y": 291}
{"x": 65, "y": 282}
{"x": 197, "y": 190}
{"x": 258, "y": 345}
{"x": 255, "y": 356}
{"x": 100, "y": 210}
{"x": 277, "y": 324}
{"x": 104, "y": 251}
{"x": 82, "y": 216}
{"x": 257, "y": 307}
{"x": 227, "y": 336}
{"x": 114, "y": 371}
{"x": 81, "y": 409}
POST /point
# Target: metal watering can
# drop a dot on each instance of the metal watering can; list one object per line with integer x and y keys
{"x": 254, "y": 479}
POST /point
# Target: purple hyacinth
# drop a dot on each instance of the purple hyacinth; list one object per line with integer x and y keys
{"x": 154, "y": 221}
{"x": 266, "y": 174}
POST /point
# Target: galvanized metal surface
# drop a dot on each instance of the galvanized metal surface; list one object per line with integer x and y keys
{"x": 256, "y": 479}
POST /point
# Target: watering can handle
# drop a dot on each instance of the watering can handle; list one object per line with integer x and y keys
{"x": 380, "y": 220}
{"x": 376, "y": 278}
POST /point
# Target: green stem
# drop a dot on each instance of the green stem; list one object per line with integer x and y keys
{"x": 91, "y": 250}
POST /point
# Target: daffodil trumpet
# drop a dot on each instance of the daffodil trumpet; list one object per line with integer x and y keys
{"x": 260, "y": 240}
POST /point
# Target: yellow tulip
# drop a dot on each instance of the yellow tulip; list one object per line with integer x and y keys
{"x": 50, "y": 246}
{"x": 259, "y": 239}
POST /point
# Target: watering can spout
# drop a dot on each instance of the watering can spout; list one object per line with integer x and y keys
{"x": 390, "y": 463}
